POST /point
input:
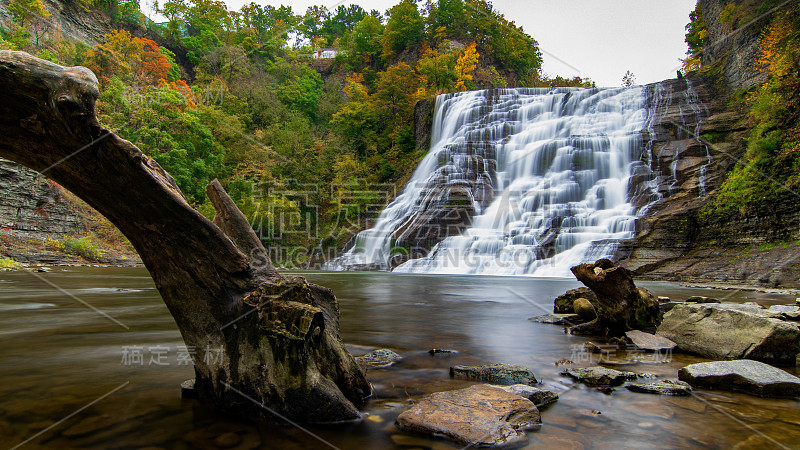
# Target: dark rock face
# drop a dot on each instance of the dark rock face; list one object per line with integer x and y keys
{"x": 480, "y": 416}
{"x": 752, "y": 377}
{"x": 30, "y": 205}
{"x": 719, "y": 332}
{"x": 739, "y": 47}
{"x": 506, "y": 374}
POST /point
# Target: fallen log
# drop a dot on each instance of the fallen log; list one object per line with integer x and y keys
{"x": 278, "y": 336}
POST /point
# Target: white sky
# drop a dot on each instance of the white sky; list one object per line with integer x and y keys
{"x": 596, "y": 39}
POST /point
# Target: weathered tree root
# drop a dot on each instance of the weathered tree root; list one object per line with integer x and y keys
{"x": 621, "y": 306}
{"x": 279, "y": 337}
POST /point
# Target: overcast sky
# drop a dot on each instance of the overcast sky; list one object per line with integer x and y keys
{"x": 590, "y": 38}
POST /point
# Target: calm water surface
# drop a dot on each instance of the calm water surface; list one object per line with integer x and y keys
{"x": 70, "y": 376}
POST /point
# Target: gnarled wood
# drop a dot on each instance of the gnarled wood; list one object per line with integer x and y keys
{"x": 620, "y": 305}
{"x": 279, "y": 336}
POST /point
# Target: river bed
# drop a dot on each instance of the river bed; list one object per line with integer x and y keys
{"x": 91, "y": 358}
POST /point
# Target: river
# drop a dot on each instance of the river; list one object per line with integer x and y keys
{"x": 72, "y": 377}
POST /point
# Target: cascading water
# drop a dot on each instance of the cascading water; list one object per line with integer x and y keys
{"x": 564, "y": 157}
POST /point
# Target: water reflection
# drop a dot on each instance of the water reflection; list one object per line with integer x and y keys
{"x": 59, "y": 356}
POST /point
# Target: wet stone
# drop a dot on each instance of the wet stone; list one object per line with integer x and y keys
{"x": 751, "y": 377}
{"x": 505, "y": 374}
{"x": 437, "y": 351}
{"x": 701, "y": 299}
{"x": 379, "y": 358}
{"x": 599, "y": 376}
{"x": 481, "y": 416}
{"x": 539, "y": 397}
{"x": 662, "y": 387}
{"x": 558, "y": 319}
{"x": 649, "y": 342}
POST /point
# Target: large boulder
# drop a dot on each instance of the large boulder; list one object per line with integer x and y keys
{"x": 743, "y": 375}
{"x": 563, "y": 304}
{"x": 479, "y": 416}
{"x": 539, "y": 397}
{"x": 722, "y": 332}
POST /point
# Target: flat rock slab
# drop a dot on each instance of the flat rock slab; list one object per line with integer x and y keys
{"x": 558, "y": 319}
{"x": 376, "y": 359}
{"x": 599, "y": 376}
{"x": 506, "y": 374}
{"x": 726, "y": 331}
{"x": 649, "y": 342}
{"x": 539, "y": 397}
{"x": 751, "y": 377}
{"x": 480, "y": 416}
{"x": 661, "y": 387}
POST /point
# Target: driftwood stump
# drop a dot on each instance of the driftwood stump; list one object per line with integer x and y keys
{"x": 279, "y": 336}
{"x": 620, "y": 305}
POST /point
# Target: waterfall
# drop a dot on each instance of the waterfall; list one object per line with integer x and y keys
{"x": 544, "y": 172}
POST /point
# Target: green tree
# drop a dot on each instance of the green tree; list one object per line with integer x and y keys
{"x": 404, "y": 28}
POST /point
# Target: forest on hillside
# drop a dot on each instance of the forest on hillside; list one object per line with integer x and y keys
{"x": 308, "y": 118}
{"x": 310, "y": 148}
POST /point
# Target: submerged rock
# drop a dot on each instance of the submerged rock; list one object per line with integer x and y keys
{"x": 598, "y": 376}
{"x": 558, "y": 319}
{"x": 661, "y": 387}
{"x": 649, "y": 342}
{"x": 436, "y": 351}
{"x": 701, "y": 299}
{"x": 727, "y": 332}
{"x": 481, "y": 416}
{"x": 506, "y": 374}
{"x": 539, "y": 397}
{"x": 751, "y": 377}
{"x": 376, "y": 359}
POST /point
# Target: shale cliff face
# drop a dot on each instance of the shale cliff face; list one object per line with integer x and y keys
{"x": 734, "y": 47}
{"x": 30, "y": 205}
{"x": 68, "y": 20}
{"x": 672, "y": 243}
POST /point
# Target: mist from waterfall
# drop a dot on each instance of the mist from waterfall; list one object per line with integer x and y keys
{"x": 564, "y": 157}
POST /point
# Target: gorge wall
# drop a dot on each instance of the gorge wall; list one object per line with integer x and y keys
{"x": 675, "y": 242}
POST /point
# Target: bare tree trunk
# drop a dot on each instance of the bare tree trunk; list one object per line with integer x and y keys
{"x": 279, "y": 336}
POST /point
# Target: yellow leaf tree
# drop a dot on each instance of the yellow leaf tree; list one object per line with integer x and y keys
{"x": 465, "y": 65}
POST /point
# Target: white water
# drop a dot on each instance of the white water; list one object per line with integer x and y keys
{"x": 564, "y": 158}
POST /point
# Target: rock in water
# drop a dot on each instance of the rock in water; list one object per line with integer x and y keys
{"x": 376, "y": 359}
{"x": 662, "y": 387}
{"x": 506, "y": 374}
{"x": 584, "y": 308}
{"x": 539, "y": 397}
{"x": 620, "y": 306}
{"x": 481, "y": 416}
{"x": 558, "y": 319}
{"x": 649, "y": 342}
{"x": 751, "y": 377}
{"x": 719, "y": 332}
{"x": 599, "y": 376}
{"x": 564, "y": 303}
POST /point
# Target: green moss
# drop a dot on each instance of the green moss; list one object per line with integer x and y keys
{"x": 9, "y": 264}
